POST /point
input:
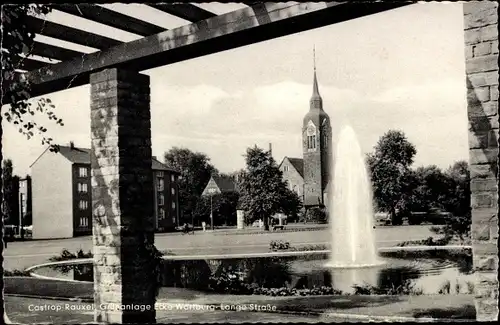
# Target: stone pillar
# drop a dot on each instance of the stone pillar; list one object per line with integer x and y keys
{"x": 122, "y": 197}
{"x": 481, "y": 54}
{"x": 240, "y": 219}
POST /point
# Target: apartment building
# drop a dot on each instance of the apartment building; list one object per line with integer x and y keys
{"x": 62, "y": 196}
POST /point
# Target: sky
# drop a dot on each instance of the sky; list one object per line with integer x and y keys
{"x": 402, "y": 69}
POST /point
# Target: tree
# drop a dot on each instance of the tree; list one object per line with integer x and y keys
{"x": 262, "y": 189}
{"x": 195, "y": 169}
{"x": 457, "y": 201}
{"x": 10, "y": 204}
{"x": 17, "y": 37}
{"x": 389, "y": 166}
{"x": 430, "y": 187}
{"x": 224, "y": 208}
{"x": 291, "y": 204}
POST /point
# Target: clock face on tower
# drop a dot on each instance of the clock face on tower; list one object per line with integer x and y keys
{"x": 311, "y": 129}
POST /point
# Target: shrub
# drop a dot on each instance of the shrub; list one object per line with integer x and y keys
{"x": 279, "y": 245}
{"x": 269, "y": 273}
{"x": 319, "y": 247}
{"x": 406, "y": 288}
{"x": 426, "y": 242}
{"x": 232, "y": 283}
{"x": 316, "y": 215}
{"x": 66, "y": 255}
{"x": 16, "y": 273}
{"x": 193, "y": 274}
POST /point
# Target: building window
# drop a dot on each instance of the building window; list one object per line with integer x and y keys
{"x": 83, "y": 205}
{"x": 173, "y": 191}
{"x": 161, "y": 214}
{"x": 161, "y": 199}
{"x": 173, "y": 205}
{"x": 83, "y": 172}
{"x": 159, "y": 174}
{"x": 172, "y": 178}
{"x": 311, "y": 142}
{"x": 82, "y": 188}
{"x": 161, "y": 184}
{"x": 84, "y": 222}
{"x": 285, "y": 168}
{"x": 23, "y": 204}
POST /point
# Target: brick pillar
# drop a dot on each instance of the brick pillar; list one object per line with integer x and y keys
{"x": 122, "y": 197}
{"x": 481, "y": 58}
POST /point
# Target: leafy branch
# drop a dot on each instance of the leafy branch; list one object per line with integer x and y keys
{"x": 17, "y": 36}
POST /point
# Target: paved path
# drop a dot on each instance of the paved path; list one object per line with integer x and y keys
{"x": 20, "y": 255}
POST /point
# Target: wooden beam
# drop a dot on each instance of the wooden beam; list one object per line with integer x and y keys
{"x": 185, "y": 11}
{"x": 110, "y": 17}
{"x": 69, "y": 34}
{"x": 31, "y": 64}
{"x": 52, "y": 51}
{"x": 239, "y": 28}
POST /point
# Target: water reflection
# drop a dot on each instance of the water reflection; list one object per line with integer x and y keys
{"x": 397, "y": 276}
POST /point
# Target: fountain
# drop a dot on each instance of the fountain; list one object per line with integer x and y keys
{"x": 354, "y": 265}
{"x": 351, "y": 211}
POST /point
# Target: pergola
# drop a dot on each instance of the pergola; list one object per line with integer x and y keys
{"x": 120, "y": 115}
{"x": 208, "y": 33}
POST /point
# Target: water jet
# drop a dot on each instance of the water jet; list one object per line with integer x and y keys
{"x": 351, "y": 207}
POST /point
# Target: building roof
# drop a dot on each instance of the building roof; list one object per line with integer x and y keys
{"x": 225, "y": 183}
{"x": 298, "y": 164}
{"x": 75, "y": 155}
{"x": 82, "y": 156}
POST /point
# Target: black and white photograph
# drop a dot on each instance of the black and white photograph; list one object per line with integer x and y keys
{"x": 263, "y": 162}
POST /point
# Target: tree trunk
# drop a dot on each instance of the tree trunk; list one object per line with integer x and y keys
{"x": 266, "y": 223}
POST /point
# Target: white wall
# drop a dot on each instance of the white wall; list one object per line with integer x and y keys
{"x": 52, "y": 197}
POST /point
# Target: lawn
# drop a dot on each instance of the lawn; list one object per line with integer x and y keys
{"x": 20, "y": 255}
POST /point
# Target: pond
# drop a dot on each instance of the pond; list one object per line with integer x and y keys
{"x": 402, "y": 272}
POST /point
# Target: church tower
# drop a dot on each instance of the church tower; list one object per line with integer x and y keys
{"x": 316, "y": 145}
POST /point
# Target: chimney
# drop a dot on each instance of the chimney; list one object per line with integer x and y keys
{"x": 271, "y": 149}
{"x": 71, "y": 145}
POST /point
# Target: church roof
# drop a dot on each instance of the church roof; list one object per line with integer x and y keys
{"x": 315, "y": 94}
{"x": 225, "y": 183}
{"x": 316, "y": 100}
{"x": 298, "y": 164}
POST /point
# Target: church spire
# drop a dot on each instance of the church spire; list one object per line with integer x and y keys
{"x": 316, "y": 100}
